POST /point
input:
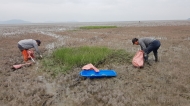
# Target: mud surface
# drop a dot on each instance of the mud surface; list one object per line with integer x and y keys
{"x": 165, "y": 83}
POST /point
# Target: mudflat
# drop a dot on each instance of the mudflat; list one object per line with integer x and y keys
{"x": 164, "y": 83}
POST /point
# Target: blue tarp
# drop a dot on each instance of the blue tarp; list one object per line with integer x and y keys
{"x": 101, "y": 73}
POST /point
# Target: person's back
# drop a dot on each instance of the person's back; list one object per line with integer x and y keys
{"x": 27, "y": 43}
{"x": 144, "y": 42}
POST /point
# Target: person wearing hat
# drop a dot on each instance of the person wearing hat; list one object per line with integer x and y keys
{"x": 26, "y": 44}
{"x": 148, "y": 44}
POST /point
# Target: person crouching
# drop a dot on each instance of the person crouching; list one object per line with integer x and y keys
{"x": 26, "y": 44}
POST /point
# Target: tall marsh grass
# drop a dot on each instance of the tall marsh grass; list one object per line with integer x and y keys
{"x": 64, "y": 59}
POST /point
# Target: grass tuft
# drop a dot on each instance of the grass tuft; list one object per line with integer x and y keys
{"x": 64, "y": 59}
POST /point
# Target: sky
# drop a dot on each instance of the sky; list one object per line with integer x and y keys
{"x": 94, "y": 10}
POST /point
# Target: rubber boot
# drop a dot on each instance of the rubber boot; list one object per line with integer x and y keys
{"x": 146, "y": 59}
{"x": 156, "y": 57}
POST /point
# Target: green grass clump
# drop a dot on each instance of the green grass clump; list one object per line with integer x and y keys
{"x": 97, "y": 27}
{"x": 64, "y": 59}
{"x": 80, "y": 56}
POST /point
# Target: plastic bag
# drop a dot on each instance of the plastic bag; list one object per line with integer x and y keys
{"x": 138, "y": 59}
{"x": 90, "y": 66}
{"x": 30, "y": 54}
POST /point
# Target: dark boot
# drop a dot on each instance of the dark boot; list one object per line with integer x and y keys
{"x": 147, "y": 62}
{"x": 156, "y": 57}
{"x": 146, "y": 59}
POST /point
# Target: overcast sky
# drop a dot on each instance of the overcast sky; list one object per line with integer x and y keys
{"x": 94, "y": 10}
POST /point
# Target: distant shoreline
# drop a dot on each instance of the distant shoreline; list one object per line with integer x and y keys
{"x": 115, "y": 23}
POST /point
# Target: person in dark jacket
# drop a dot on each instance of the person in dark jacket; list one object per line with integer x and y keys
{"x": 26, "y": 44}
{"x": 148, "y": 44}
